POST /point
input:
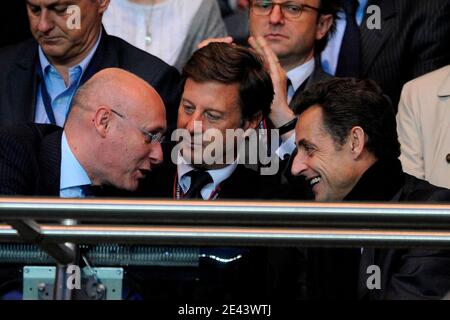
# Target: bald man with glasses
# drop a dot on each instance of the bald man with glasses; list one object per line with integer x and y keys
{"x": 112, "y": 138}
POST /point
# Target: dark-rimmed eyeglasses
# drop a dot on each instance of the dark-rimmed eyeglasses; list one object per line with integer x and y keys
{"x": 150, "y": 137}
{"x": 290, "y": 10}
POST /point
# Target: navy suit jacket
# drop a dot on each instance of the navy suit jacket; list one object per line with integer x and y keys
{"x": 19, "y": 79}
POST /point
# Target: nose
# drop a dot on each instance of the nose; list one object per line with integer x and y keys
{"x": 298, "y": 164}
{"x": 194, "y": 125}
{"x": 276, "y": 16}
{"x": 45, "y": 23}
{"x": 156, "y": 153}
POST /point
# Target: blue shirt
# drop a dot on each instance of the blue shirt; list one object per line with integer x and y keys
{"x": 73, "y": 176}
{"x": 60, "y": 94}
{"x": 330, "y": 55}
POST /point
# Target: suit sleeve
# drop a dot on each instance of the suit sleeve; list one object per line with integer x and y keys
{"x": 423, "y": 275}
{"x": 409, "y": 135}
{"x": 16, "y": 167}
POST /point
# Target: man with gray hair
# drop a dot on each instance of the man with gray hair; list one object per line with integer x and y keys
{"x": 40, "y": 76}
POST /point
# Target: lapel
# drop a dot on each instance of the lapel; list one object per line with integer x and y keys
{"x": 106, "y": 55}
{"x": 315, "y": 77}
{"x": 373, "y": 40}
{"x": 23, "y": 89}
{"x": 444, "y": 90}
{"x": 23, "y": 101}
{"x": 50, "y": 164}
{"x": 318, "y": 74}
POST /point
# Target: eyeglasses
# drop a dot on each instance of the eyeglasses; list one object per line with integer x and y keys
{"x": 290, "y": 10}
{"x": 149, "y": 136}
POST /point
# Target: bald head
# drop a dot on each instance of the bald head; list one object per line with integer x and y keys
{"x": 110, "y": 128}
{"x": 117, "y": 89}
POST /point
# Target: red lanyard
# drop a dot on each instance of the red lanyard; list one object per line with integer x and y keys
{"x": 178, "y": 194}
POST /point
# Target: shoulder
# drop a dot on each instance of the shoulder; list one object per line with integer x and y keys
{"x": 419, "y": 190}
{"x": 131, "y": 56}
{"x": 428, "y": 81}
{"x": 424, "y": 90}
{"x": 19, "y": 50}
{"x": 29, "y": 133}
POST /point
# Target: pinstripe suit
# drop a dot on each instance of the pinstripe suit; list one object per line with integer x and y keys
{"x": 30, "y": 157}
{"x": 414, "y": 39}
{"x": 30, "y": 161}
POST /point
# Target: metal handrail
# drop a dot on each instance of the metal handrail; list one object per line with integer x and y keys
{"x": 196, "y": 223}
{"x": 227, "y": 213}
{"x": 228, "y": 236}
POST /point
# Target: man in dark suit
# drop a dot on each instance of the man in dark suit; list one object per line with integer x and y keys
{"x": 111, "y": 141}
{"x": 289, "y": 36}
{"x": 226, "y": 90}
{"x": 111, "y": 138}
{"x": 226, "y": 94}
{"x": 411, "y": 40}
{"x": 347, "y": 149}
{"x": 40, "y": 76}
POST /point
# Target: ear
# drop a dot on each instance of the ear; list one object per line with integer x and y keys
{"x": 252, "y": 122}
{"x": 103, "y": 5}
{"x": 101, "y": 120}
{"x": 323, "y": 25}
{"x": 357, "y": 141}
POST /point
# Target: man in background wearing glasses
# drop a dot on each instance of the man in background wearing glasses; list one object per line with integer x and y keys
{"x": 111, "y": 138}
{"x": 289, "y": 35}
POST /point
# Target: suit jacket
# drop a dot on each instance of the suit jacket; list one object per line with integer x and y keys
{"x": 423, "y": 125}
{"x": 19, "y": 79}
{"x": 412, "y": 41}
{"x": 335, "y": 273}
{"x": 239, "y": 279}
{"x": 244, "y": 183}
{"x": 317, "y": 76}
{"x": 30, "y": 158}
{"x": 405, "y": 273}
{"x": 30, "y": 161}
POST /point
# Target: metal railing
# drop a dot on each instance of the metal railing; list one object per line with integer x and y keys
{"x": 188, "y": 223}
{"x": 44, "y": 223}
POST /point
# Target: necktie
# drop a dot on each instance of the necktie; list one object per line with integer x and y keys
{"x": 349, "y": 64}
{"x": 199, "y": 179}
{"x": 91, "y": 191}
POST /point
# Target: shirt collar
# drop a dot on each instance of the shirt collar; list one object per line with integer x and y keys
{"x": 218, "y": 175}
{"x": 299, "y": 74}
{"x": 45, "y": 64}
{"x": 72, "y": 173}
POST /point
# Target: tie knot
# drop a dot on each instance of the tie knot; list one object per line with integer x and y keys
{"x": 199, "y": 179}
{"x": 350, "y": 7}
